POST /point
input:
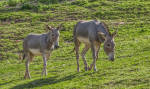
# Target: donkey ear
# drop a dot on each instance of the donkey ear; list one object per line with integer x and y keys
{"x": 59, "y": 27}
{"x": 102, "y": 35}
{"x": 48, "y": 28}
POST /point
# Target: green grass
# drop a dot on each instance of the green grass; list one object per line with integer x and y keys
{"x": 130, "y": 70}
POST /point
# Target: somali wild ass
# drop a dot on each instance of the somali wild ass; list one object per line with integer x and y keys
{"x": 92, "y": 34}
{"x": 40, "y": 44}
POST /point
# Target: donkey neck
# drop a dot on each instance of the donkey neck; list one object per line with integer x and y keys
{"x": 102, "y": 27}
{"x": 49, "y": 41}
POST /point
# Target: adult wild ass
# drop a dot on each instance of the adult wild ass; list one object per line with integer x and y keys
{"x": 93, "y": 34}
{"x": 40, "y": 44}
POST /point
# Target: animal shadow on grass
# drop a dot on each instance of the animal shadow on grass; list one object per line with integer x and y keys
{"x": 6, "y": 83}
{"x": 44, "y": 81}
{"x": 129, "y": 82}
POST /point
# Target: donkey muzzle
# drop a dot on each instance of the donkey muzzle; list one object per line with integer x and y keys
{"x": 111, "y": 56}
{"x": 111, "y": 59}
{"x": 56, "y": 47}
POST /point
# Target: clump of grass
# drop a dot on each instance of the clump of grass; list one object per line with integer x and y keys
{"x": 80, "y": 2}
{"x": 50, "y": 1}
{"x": 30, "y": 6}
{"x": 12, "y": 2}
{"x": 26, "y": 6}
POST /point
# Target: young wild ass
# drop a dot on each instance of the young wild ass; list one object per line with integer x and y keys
{"x": 93, "y": 34}
{"x": 40, "y": 44}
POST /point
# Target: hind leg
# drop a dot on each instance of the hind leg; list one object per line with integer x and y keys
{"x": 29, "y": 57}
{"x": 85, "y": 49}
{"x": 94, "y": 57}
{"x": 77, "y": 44}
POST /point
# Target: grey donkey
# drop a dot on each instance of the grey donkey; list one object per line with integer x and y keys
{"x": 40, "y": 44}
{"x": 93, "y": 34}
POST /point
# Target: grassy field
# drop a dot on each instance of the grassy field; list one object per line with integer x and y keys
{"x": 130, "y": 70}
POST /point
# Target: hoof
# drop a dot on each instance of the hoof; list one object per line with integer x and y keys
{"x": 27, "y": 77}
{"x": 95, "y": 69}
{"x": 44, "y": 73}
{"x": 86, "y": 68}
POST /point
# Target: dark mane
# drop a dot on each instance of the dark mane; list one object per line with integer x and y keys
{"x": 106, "y": 27}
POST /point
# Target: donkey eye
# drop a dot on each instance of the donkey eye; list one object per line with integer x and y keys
{"x": 108, "y": 45}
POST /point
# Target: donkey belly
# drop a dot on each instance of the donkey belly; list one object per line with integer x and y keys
{"x": 35, "y": 51}
{"x": 84, "y": 40}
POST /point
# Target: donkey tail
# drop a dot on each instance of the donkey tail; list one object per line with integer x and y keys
{"x": 74, "y": 35}
{"x": 74, "y": 31}
{"x": 23, "y": 56}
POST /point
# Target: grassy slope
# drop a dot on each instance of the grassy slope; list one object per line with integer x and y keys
{"x": 131, "y": 68}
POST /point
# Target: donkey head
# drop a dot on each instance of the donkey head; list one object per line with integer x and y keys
{"x": 54, "y": 35}
{"x": 109, "y": 44}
